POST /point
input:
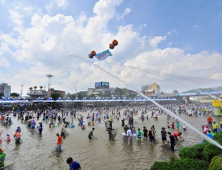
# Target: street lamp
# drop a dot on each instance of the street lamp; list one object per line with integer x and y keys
{"x": 49, "y": 79}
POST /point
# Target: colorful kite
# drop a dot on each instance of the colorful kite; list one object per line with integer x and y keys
{"x": 103, "y": 55}
{"x": 113, "y": 44}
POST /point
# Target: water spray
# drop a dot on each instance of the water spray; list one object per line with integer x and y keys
{"x": 181, "y": 120}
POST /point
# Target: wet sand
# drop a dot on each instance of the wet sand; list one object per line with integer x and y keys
{"x": 37, "y": 152}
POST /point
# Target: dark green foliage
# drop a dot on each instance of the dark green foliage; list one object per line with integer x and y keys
{"x": 218, "y": 137}
{"x": 192, "y": 151}
{"x": 216, "y": 163}
{"x": 181, "y": 164}
{"x": 195, "y": 157}
{"x": 160, "y": 166}
{"x": 14, "y": 95}
{"x": 210, "y": 151}
{"x": 55, "y": 96}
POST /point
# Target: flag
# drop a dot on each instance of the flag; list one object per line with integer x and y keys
{"x": 103, "y": 55}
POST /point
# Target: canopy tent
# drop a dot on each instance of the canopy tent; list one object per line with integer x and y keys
{"x": 68, "y": 100}
{"x": 50, "y": 100}
{"x": 59, "y": 100}
{"x": 39, "y": 100}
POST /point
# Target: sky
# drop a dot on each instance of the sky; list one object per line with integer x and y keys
{"x": 176, "y": 44}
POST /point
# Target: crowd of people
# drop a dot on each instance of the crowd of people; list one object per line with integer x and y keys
{"x": 128, "y": 115}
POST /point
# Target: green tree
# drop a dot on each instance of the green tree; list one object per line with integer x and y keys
{"x": 107, "y": 94}
{"x": 132, "y": 96}
{"x": 92, "y": 96}
{"x": 118, "y": 92}
{"x": 71, "y": 96}
{"x": 14, "y": 94}
{"x": 100, "y": 94}
{"x": 55, "y": 96}
{"x": 79, "y": 95}
{"x": 175, "y": 92}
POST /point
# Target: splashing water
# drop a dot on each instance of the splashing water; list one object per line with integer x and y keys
{"x": 166, "y": 110}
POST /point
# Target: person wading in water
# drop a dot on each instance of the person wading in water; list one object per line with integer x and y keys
{"x": 90, "y": 135}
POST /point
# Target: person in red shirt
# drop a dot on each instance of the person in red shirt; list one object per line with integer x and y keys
{"x": 3, "y": 118}
{"x": 17, "y": 137}
{"x": 209, "y": 120}
{"x": 177, "y": 135}
{"x": 59, "y": 142}
{"x": 172, "y": 125}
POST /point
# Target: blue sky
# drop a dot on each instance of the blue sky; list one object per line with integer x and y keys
{"x": 176, "y": 44}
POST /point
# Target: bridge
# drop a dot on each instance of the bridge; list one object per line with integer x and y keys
{"x": 186, "y": 96}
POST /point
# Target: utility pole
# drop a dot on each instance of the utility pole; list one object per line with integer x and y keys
{"x": 49, "y": 80}
{"x": 22, "y": 89}
{"x": 75, "y": 89}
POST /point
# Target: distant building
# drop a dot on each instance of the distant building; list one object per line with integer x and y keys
{"x": 149, "y": 93}
{"x": 96, "y": 91}
{"x": 145, "y": 87}
{"x": 155, "y": 87}
{"x": 100, "y": 87}
{"x": 33, "y": 93}
{"x": 52, "y": 90}
{"x": 5, "y": 89}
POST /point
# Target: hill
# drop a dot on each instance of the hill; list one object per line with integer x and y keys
{"x": 204, "y": 89}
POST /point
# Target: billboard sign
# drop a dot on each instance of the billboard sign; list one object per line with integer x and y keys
{"x": 97, "y": 84}
{"x": 217, "y": 103}
{"x": 105, "y": 84}
{"x": 101, "y": 85}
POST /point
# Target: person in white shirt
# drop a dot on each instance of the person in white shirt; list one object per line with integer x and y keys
{"x": 130, "y": 136}
{"x": 184, "y": 127}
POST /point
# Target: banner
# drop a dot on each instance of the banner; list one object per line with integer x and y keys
{"x": 217, "y": 103}
{"x": 103, "y": 55}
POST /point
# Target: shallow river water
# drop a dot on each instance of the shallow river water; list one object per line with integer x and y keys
{"x": 37, "y": 152}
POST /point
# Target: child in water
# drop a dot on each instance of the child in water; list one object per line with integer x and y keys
{"x": 184, "y": 127}
{"x": 154, "y": 130}
{"x": 72, "y": 125}
{"x": 172, "y": 125}
{"x": 168, "y": 125}
{"x": 8, "y": 139}
{"x": 202, "y": 126}
{"x": 83, "y": 127}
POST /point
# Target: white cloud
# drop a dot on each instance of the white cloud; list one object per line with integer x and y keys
{"x": 3, "y": 61}
{"x": 53, "y": 44}
{"x": 126, "y": 12}
{"x": 168, "y": 33}
{"x": 16, "y": 18}
{"x": 50, "y": 6}
{"x": 156, "y": 40}
{"x": 195, "y": 26}
{"x": 142, "y": 26}
{"x": 4, "y": 50}
{"x": 60, "y": 4}
{"x": 2, "y": 2}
